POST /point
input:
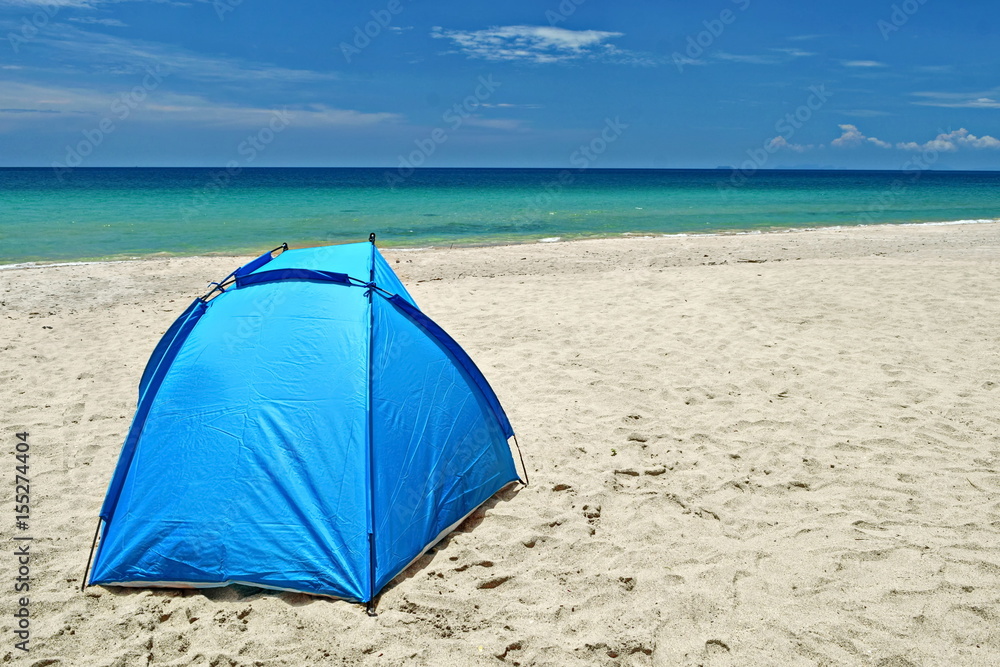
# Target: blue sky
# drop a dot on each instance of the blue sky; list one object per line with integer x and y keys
{"x": 846, "y": 84}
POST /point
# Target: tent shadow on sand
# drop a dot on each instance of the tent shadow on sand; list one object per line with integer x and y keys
{"x": 244, "y": 593}
{"x": 469, "y": 525}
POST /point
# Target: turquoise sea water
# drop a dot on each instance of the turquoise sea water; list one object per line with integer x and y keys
{"x": 114, "y": 213}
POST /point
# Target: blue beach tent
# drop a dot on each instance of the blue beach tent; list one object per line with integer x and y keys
{"x": 303, "y": 427}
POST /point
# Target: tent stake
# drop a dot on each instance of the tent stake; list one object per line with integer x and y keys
{"x": 371, "y": 608}
{"x": 93, "y": 544}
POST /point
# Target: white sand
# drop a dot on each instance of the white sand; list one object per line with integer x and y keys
{"x": 785, "y": 462}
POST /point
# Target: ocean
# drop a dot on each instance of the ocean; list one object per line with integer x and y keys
{"x": 92, "y": 214}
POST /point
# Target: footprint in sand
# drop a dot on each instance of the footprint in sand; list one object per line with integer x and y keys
{"x": 494, "y": 582}
{"x": 716, "y": 647}
{"x": 482, "y": 563}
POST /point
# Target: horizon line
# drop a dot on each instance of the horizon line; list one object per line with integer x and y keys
{"x": 560, "y": 168}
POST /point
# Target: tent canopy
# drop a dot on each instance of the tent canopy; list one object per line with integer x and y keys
{"x": 307, "y": 429}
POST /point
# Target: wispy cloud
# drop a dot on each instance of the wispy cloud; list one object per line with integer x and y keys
{"x": 508, "y": 105}
{"x": 19, "y": 111}
{"x": 865, "y": 113}
{"x": 795, "y": 53}
{"x": 49, "y": 4}
{"x": 85, "y": 4}
{"x": 532, "y": 44}
{"x": 93, "y": 51}
{"x": 507, "y": 124}
{"x": 863, "y": 63}
{"x": 27, "y": 100}
{"x": 983, "y": 100}
{"x": 33, "y": 98}
{"x": 90, "y": 20}
{"x": 750, "y": 59}
{"x": 197, "y": 110}
{"x": 775, "y": 56}
{"x": 978, "y": 103}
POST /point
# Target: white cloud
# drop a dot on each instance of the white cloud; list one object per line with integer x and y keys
{"x": 947, "y": 142}
{"x": 950, "y": 142}
{"x": 852, "y": 137}
{"x": 527, "y": 43}
{"x": 780, "y": 142}
{"x": 863, "y": 63}
{"x": 966, "y": 138}
{"x": 941, "y": 147}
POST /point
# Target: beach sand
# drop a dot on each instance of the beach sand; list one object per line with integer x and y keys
{"x": 772, "y": 449}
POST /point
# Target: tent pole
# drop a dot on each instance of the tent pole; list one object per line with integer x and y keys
{"x": 371, "y": 444}
{"x": 520, "y": 456}
{"x": 90, "y": 558}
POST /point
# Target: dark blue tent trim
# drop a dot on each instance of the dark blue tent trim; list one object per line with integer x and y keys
{"x": 295, "y": 274}
{"x": 155, "y": 371}
{"x": 459, "y": 355}
{"x": 250, "y": 267}
{"x": 243, "y": 270}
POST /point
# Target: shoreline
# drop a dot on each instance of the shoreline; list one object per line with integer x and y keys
{"x": 38, "y": 264}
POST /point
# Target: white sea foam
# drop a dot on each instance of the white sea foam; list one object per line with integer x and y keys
{"x": 47, "y": 265}
{"x": 790, "y": 230}
{"x": 952, "y": 222}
